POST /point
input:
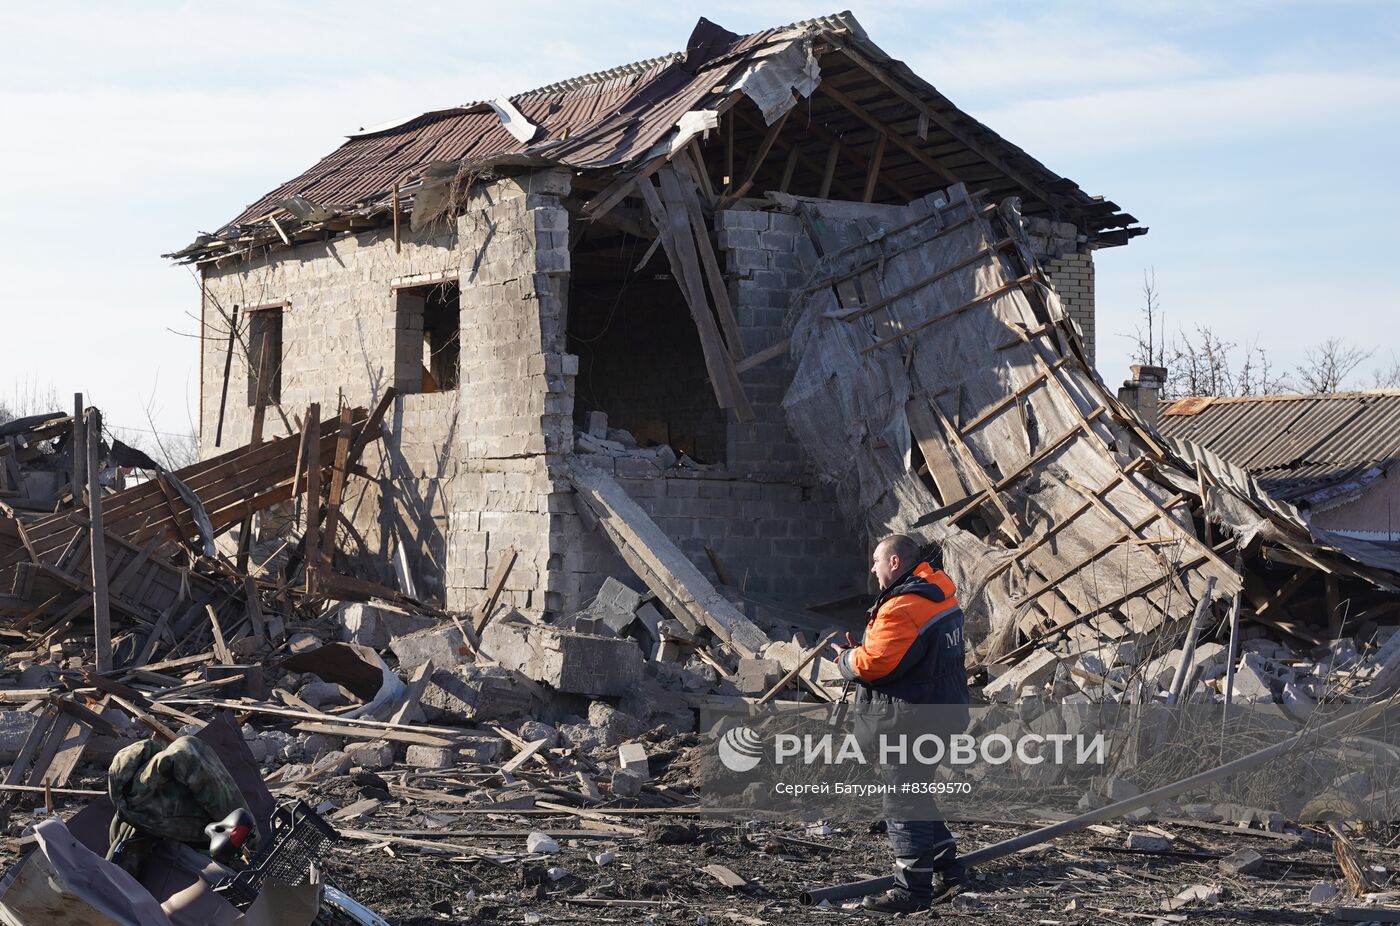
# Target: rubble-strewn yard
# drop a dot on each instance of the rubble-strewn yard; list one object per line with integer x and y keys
{"x": 488, "y": 632}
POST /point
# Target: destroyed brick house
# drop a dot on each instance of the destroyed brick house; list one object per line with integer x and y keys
{"x": 624, "y": 243}
{"x": 703, "y": 326}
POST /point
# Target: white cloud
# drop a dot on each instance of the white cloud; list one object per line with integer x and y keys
{"x": 1190, "y": 112}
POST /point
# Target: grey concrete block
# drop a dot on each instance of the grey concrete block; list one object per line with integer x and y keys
{"x": 376, "y": 626}
{"x": 756, "y": 676}
{"x": 632, "y": 757}
{"x": 1035, "y": 670}
{"x": 442, "y": 644}
{"x": 566, "y": 661}
{"x": 430, "y": 757}
{"x": 473, "y": 692}
{"x": 627, "y": 783}
{"x": 606, "y": 717}
{"x": 375, "y": 754}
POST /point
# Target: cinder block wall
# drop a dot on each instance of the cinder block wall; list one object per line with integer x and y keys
{"x": 760, "y": 250}
{"x": 516, "y": 397}
{"x": 482, "y": 468}
{"x": 338, "y": 339}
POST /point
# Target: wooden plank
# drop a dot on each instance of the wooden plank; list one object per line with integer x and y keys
{"x": 34, "y": 742}
{"x": 976, "y": 257}
{"x": 259, "y": 413}
{"x": 923, "y": 425}
{"x": 945, "y": 123}
{"x": 1001, "y": 290}
{"x": 417, "y": 684}
{"x": 619, "y": 189}
{"x": 337, "y": 490}
{"x": 833, "y": 156}
{"x": 673, "y": 229}
{"x": 61, "y": 752}
{"x": 78, "y": 450}
{"x": 221, "y": 650}
{"x": 363, "y": 733}
{"x": 665, "y": 569}
{"x": 758, "y": 358}
{"x": 872, "y": 174}
{"x": 681, "y": 185}
{"x": 912, "y": 150}
{"x": 101, "y": 607}
{"x": 481, "y": 614}
{"x": 793, "y": 673}
{"x": 255, "y": 615}
{"x": 522, "y": 756}
{"x": 789, "y": 167}
{"x": 760, "y": 155}
{"x": 311, "y": 536}
{"x": 228, "y": 367}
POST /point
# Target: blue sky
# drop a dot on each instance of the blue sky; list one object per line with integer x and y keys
{"x": 1258, "y": 140}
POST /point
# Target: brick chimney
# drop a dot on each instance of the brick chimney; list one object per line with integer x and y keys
{"x": 1142, "y": 391}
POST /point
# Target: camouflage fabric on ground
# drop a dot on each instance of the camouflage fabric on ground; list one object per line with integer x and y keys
{"x": 167, "y": 792}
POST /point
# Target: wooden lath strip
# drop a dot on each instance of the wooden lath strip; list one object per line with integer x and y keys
{"x": 673, "y": 227}
{"x": 999, "y": 291}
{"x": 972, "y": 259}
{"x": 943, "y": 122}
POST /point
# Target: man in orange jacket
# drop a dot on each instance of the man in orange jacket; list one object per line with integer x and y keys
{"x": 912, "y": 654}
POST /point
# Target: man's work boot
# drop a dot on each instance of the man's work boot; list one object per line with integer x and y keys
{"x": 947, "y": 882}
{"x": 895, "y": 900}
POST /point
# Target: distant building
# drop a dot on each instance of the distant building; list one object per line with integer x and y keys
{"x": 1333, "y": 457}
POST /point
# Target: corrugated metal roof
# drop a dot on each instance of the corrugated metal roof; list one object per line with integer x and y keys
{"x": 1298, "y": 447}
{"x": 610, "y": 119}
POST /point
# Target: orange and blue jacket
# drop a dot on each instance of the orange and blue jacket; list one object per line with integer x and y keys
{"x": 912, "y": 649}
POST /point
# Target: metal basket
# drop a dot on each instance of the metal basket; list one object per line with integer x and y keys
{"x": 299, "y": 838}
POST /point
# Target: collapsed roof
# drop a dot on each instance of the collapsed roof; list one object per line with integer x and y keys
{"x": 943, "y": 389}
{"x": 623, "y": 119}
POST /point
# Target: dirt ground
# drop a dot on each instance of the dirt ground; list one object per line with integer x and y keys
{"x": 474, "y": 868}
{"x": 1084, "y": 878}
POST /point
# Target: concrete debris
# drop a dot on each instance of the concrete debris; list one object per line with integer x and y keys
{"x": 377, "y": 626}
{"x": 632, "y": 757}
{"x": 566, "y": 661}
{"x": 1242, "y": 862}
{"x": 541, "y": 844}
{"x": 482, "y": 597}
{"x": 1144, "y": 841}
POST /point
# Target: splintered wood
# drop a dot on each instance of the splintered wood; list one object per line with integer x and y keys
{"x": 930, "y": 329}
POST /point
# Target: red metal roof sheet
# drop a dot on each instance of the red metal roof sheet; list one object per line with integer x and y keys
{"x": 609, "y": 119}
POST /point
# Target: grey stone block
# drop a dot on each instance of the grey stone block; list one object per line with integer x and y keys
{"x": 569, "y": 662}
{"x": 442, "y": 644}
{"x": 376, "y": 626}
{"x": 626, "y": 783}
{"x": 481, "y": 749}
{"x": 429, "y": 757}
{"x": 472, "y": 692}
{"x": 756, "y": 676}
{"x": 606, "y": 717}
{"x": 375, "y": 754}
{"x": 632, "y": 757}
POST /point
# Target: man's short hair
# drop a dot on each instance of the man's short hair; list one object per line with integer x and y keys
{"x": 901, "y": 545}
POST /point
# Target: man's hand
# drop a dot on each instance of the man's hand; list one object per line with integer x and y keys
{"x": 839, "y": 648}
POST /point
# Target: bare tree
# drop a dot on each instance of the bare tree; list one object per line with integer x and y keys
{"x": 1387, "y": 379}
{"x": 1326, "y": 366}
{"x": 1256, "y": 374}
{"x": 1200, "y": 364}
{"x": 1150, "y": 340}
